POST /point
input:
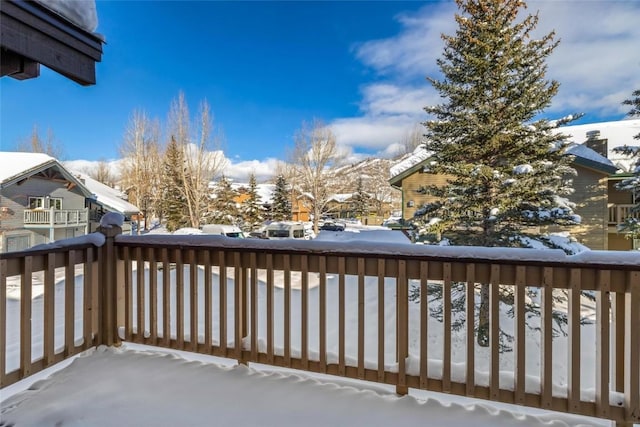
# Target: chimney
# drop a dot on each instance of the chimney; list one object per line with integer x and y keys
{"x": 597, "y": 144}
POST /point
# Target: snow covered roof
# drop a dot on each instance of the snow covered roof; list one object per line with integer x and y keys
{"x": 617, "y": 133}
{"x": 15, "y": 166}
{"x": 110, "y": 198}
{"x": 590, "y": 158}
{"x": 407, "y": 162}
{"x": 81, "y": 13}
{"x": 340, "y": 198}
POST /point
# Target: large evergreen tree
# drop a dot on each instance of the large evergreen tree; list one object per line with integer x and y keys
{"x": 252, "y": 210}
{"x": 505, "y": 167}
{"x": 360, "y": 200}
{"x": 631, "y": 225}
{"x": 223, "y": 208}
{"x": 173, "y": 201}
{"x": 507, "y": 170}
{"x": 281, "y": 204}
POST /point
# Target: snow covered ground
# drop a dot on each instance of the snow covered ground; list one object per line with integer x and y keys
{"x": 131, "y": 386}
{"x": 137, "y": 385}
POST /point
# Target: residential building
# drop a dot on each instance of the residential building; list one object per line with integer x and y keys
{"x": 41, "y": 201}
{"x": 343, "y": 206}
{"x": 106, "y": 199}
{"x": 600, "y": 205}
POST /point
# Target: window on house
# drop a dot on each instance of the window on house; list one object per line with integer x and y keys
{"x": 55, "y": 203}
{"x": 45, "y": 203}
{"x": 36, "y": 202}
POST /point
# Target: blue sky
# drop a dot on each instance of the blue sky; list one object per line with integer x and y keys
{"x": 264, "y": 67}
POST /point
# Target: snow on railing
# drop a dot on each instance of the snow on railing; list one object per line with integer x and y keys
{"x": 562, "y": 330}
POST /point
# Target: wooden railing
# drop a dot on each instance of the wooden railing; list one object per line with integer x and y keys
{"x": 29, "y": 326}
{"x": 618, "y": 213}
{"x": 56, "y": 217}
{"x": 313, "y": 305}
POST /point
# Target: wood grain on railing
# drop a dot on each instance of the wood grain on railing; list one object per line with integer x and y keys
{"x": 48, "y": 309}
{"x": 240, "y": 320}
{"x": 78, "y": 321}
{"x": 3, "y": 321}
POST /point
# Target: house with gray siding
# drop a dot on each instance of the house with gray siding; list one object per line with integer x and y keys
{"x": 41, "y": 201}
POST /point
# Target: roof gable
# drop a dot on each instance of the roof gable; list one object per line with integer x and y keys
{"x": 17, "y": 166}
{"x": 586, "y": 157}
{"x": 14, "y": 165}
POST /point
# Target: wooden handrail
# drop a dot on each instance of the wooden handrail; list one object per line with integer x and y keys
{"x": 274, "y": 308}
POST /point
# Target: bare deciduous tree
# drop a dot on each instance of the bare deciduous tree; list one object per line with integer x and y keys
{"x": 316, "y": 158}
{"x": 35, "y": 144}
{"x": 411, "y": 140}
{"x": 375, "y": 174}
{"x": 102, "y": 173}
{"x": 140, "y": 167}
{"x": 203, "y": 159}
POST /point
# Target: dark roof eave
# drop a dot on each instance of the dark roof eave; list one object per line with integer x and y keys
{"x": 595, "y": 166}
{"x": 61, "y": 45}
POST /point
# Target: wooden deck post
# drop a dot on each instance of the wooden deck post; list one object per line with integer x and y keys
{"x": 108, "y": 303}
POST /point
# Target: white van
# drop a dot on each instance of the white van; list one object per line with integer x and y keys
{"x": 224, "y": 230}
{"x": 285, "y": 230}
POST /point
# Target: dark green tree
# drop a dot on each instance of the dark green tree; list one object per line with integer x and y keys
{"x": 631, "y": 224}
{"x": 252, "y": 210}
{"x": 505, "y": 167}
{"x": 223, "y": 208}
{"x": 281, "y": 204}
{"x": 360, "y": 200}
{"x": 173, "y": 201}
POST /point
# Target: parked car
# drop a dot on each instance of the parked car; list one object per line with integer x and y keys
{"x": 332, "y": 226}
{"x": 285, "y": 230}
{"x": 224, "y": 230}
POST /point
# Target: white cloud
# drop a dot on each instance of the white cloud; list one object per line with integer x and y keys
{"x": 413, "y": 51}
{"x": 240, "y": 171}
{"x": 597, "y": 64}
{"x": 598, "y": 59}
{"x": 236, "y": 171}
{"x": 388, "y": 99}
{"x": 372, "y": 133}
{"x": 88, "y": 166}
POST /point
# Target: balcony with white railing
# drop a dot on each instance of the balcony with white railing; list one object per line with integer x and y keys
{"x": 55, "y": 218}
